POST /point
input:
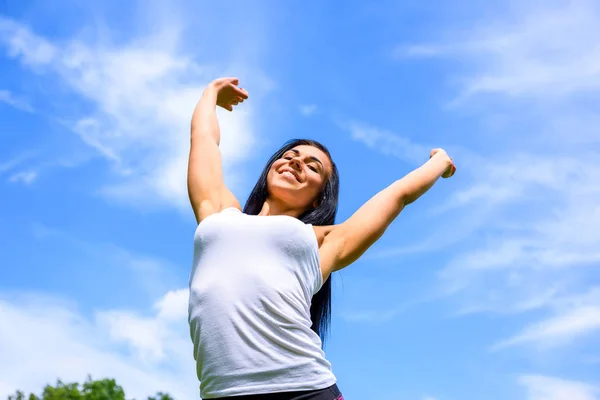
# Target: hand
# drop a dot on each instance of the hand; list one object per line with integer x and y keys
{"x": 228, "y": 93}
{"x": 451, "y": 167}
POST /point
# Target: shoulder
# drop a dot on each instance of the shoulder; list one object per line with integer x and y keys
{"x": 207, "y": 208}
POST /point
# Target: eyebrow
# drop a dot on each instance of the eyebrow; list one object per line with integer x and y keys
{"x": 313, "y": 158}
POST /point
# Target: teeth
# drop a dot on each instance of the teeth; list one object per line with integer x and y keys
{"x": 288, "y": 173}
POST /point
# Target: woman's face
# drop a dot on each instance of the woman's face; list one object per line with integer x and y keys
{"x": 298, "y": 177}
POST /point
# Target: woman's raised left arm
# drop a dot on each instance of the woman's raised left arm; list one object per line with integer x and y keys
{"x": 345, "y": 243}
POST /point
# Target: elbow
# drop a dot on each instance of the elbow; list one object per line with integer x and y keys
{"x": 409, "y": 194}
{"x": 404, "y": 198}
{"x": 401, "y": 194}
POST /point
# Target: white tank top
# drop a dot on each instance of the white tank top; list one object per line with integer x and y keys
{"x": 252, "y": 281}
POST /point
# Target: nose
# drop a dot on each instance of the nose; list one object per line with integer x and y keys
{"x": 295, "y": 163}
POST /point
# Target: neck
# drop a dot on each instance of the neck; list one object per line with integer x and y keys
{"x": 274, "y": 207}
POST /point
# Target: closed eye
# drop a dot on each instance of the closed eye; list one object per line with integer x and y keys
{"x": 314, "y": 161}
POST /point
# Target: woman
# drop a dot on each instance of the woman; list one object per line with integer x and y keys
{"x": 260, "y": 287}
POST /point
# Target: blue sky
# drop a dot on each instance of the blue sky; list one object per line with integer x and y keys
{"x": 486, "y": 288}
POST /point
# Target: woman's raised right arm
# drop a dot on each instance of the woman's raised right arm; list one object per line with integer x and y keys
{"x": 206, "y": 188}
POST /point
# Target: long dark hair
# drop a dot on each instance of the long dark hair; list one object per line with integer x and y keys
{"x": 323, "y": 214}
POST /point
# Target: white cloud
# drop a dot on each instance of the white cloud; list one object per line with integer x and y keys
{"x": 44, "y": 338}
{"x": 20, "y": 104}
{"x": 540, "y": 48}
{"x": 541, "y": 387}
{"x": 538, "y": 253}
{"x": 173, "y": 305}
{"x": 540, "y": 238}
{"x": 141, "y": 276}
{"x": 371, "y": 317}
{"x": 540, "y": 244}
{"x": 26, "y": 177}
{"x": 142, "y": 94}
{"x": 151, "y": 337}
{"x": 13, "y": 162}
{"x": 529, "y": 216}
{"x": 379, "y": 315}
{"x": 308, "y": 109}
{"x": 555, "y": 330}
{"x": 386, "y": 142}
{"x": 22, "y": 42}
{"x": 144, "y": 335}
{"x": 540, "y": 247}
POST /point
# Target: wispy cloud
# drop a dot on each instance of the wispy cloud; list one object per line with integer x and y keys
{"x": 144, "y": 275}
{"x": 528, "y": 216}
{"x": 142, "y": 94}
{"x": 18, "y": 103}
{"x": 14, "y": 161}
{"x": 540, "y": 247}
{"x": 386, "y": 141}
{"x": 371, "y": 317}
{"x": 540, "y": 216}
{"x": 541, "y": 387}
{"x": 554, "y": 330}
{"x": 26, "y": 177}
{"x": 308, "y": 109}
{"x": 573, "y": 317}
{"x": 539, "y": 49}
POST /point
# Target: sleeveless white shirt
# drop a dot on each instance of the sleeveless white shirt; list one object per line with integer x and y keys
{"x": 251, "y": 285}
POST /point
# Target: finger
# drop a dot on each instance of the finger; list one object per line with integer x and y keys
{"x": 234, "y": 103}
{"x": 240, "y": 99}
{"x": 229, "y": 107}
{"x": 452, "y": 171}
{"x": 241, "y": 92}
{"x": 227, "y": 80}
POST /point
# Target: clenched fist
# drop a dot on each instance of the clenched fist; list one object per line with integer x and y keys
{"x": 228, "y": 92}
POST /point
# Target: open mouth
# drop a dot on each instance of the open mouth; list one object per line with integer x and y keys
{"x": 289, "y": 174}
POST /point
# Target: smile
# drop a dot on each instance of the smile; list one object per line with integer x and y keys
{"x": 291, "y": 175}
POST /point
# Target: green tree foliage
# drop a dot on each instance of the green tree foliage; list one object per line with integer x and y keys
{"x": 102, "y": 389}
{"x": 161, "y": 396}
{"x": 21, "y": 396}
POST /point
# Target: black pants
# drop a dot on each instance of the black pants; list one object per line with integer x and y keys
{"x": 330, "y": 393}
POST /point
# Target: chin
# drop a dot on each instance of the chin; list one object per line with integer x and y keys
{"x": 283, "y": 192}
{"x": 287, "y": 194}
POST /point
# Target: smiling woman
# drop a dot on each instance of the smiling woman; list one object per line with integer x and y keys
{"x": 260, "y": 286}
{"x": 290, "y": 184}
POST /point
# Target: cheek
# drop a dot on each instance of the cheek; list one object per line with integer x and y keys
{"x": 316, "y": 183}
{"x": 274, "y": 167}
{"x": 270, "y": 179}
{"x": 272, "y": 171}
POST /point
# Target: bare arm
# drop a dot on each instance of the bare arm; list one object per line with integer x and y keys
{"x": 346, "y": 242}
{"x": 207, "y": 191}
